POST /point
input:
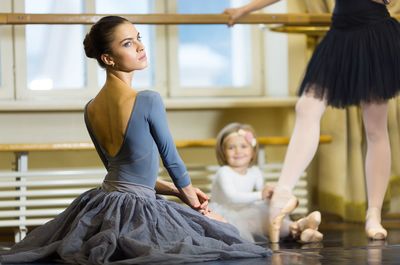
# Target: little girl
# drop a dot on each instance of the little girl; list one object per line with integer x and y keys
{"x": 238, "y": 192}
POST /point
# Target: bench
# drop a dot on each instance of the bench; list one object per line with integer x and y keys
{"x": 30, "y": 198}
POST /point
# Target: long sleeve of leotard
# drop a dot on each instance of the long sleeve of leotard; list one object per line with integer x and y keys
{"x": 165, "y": 143}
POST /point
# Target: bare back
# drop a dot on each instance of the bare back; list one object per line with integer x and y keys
{"x": 109, "y": 114}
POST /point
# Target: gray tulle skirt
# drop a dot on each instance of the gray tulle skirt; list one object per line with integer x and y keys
{"x": 131, "y": 225}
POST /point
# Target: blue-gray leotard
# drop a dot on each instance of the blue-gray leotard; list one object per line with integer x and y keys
{"x": 137, "y": 161}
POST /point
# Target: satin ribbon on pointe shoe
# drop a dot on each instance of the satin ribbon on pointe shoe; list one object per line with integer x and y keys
{"x": 283, "y": 202}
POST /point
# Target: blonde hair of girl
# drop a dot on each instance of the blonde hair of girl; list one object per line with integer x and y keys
{"x": 242, "y": 129}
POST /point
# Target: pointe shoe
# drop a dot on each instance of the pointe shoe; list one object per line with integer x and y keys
{"x": 311, "y": 236}
{"x": 373, "y": 226}
{"x": 284, "y": 203}
{"x": 312, "y": 221}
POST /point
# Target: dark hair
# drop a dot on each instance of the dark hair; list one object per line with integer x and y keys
{"x": 97, "y": 41}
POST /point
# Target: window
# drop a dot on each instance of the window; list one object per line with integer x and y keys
{"x": 184, "y": 60}
{"x": 213, "y": 59}
{"x": 55, "y": 57}
{"x": 51, "y": 60}
{"x": 55, "y": 64}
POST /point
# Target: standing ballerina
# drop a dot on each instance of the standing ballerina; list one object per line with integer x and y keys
{"x": 357, "y": 63}
{"x": 123, "y": 221}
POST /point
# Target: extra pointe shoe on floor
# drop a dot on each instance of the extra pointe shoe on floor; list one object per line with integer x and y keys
{"x": 312, "y": 221}
{"x": 282, "y": 204}
{"x": 311, "y": 236}
{"x": 373, "y": 226}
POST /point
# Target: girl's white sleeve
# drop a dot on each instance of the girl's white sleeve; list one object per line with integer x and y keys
{"x": 259, "y": 185}
{"x": 232, "y": 191}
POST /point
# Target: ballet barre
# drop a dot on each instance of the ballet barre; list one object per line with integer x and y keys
{"x": 262, "y": 141}
{"x": 293, "y": 19}
{"x": 21, "y": 150}
{"x": 166, "y": 19}
{"x": 81, "y": 146}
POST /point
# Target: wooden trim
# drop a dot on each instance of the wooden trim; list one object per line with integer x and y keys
{"x": 166, "y": 19}
{"x": 267, "y": 140}
{"x": 46, "y": 147}
{"x": 290, "y": 19}
{"x": 170, "y": 104}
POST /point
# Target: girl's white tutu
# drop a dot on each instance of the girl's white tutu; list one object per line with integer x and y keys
{"x": 250, "y": 219}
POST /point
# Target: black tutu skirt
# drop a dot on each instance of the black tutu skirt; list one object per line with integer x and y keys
{"x": 357, "y": 61}
{"x": 135, "y": 227}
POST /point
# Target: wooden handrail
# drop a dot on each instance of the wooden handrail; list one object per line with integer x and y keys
{"x": 294, "y": 19}
{"x": 267, "y": 140}
{"x": 167, "y": 19}
{"x": 46, "y": 147}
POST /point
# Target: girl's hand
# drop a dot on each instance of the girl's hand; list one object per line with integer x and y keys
{"x": 385, "y": 2}
{"x": 267, "y": 192}
{"x": 234, "y": 14}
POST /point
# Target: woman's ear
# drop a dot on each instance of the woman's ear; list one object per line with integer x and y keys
{"x": 107, "y": 59}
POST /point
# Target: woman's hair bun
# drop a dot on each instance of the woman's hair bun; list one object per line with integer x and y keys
{"x": 90, "y": 49}
{"x": 100, "y": 36}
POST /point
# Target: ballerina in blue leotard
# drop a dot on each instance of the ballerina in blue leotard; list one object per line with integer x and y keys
{"x": 124, "y": 221}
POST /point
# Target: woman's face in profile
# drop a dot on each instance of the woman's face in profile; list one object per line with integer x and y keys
{"x": 127, "y": 49}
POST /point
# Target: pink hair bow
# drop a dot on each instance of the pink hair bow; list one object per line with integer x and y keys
{"x": 248, "y": 136}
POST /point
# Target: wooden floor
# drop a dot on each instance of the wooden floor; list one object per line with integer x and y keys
{"x": 343, "y": 244}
